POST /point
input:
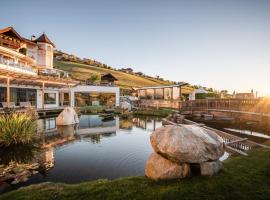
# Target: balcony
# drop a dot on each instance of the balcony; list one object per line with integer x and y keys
{"x": 53, "y": 73}
{"x": 10, "y": 65}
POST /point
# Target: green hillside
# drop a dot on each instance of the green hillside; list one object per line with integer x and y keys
{"x": 125, "y": 80}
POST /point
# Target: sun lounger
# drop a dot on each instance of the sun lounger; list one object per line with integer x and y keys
{"x": 25, "y": 104}
{"x": 11, "y": 105}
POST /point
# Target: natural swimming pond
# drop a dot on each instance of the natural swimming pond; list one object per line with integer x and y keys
{"x": 96, "y": 148}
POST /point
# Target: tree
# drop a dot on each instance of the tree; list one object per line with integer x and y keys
{"x": 93, "y": 78}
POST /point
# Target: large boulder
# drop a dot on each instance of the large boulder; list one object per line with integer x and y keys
{"x": 159, "y": 168}
{"x": 187, "y": 143}
{"x": 210, "y": 168}
{"x": 67, "y": 117}
{"x": 125, "y": 106}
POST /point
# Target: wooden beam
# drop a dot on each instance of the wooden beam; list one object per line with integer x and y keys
{"x": 69, "y": 95}
{"x": 236, "y": 141}
{"x": 43, "y": 88}
{"x": 8, "y": 92}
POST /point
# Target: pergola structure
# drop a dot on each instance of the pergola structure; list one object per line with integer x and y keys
{"x": 10, "y": 78}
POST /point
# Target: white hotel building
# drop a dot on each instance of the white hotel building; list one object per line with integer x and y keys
{"x": 27, "y": 77}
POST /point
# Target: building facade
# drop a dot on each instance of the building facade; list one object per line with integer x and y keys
{"x": 160, "y": 96}
{"x": 27, "y": 75}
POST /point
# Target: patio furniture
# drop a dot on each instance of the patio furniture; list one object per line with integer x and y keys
{"x": 11, "y": 105}
{"x": 25, "y": 104}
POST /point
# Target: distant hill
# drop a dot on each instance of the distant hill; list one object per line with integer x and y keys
{"x": 126, "y": 81}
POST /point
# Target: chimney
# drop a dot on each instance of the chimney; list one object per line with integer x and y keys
{"x": 33, "y": 37}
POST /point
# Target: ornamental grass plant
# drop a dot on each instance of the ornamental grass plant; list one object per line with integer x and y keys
{"x": 17, "y": 128}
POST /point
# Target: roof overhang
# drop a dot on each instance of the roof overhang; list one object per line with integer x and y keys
{"x": 21, "y": 79}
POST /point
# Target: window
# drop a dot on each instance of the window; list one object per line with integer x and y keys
{"x": 142, "y": 94}
{"x": 149, "y": 93}
{"x": 167, "y": 93}
{"x": 176, "y": 93}
{"x": 50, "y": 123}
{"x": 49, "y": 98}
{"x": 159, "y": 93}
{"x": 49, "y": 48}
{"x": 94, "y": 98}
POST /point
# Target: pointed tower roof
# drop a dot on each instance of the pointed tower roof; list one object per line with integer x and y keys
{"x": 44, "y": 38}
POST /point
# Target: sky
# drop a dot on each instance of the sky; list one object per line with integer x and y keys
{"x": 223, "y": 44}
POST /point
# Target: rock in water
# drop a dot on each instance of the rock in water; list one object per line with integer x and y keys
{"x": 187, "y": 144}
{"x": 159, "y": 168}
{"x": 210, "y": 168}
{"x": 67, "y": 117}
{"x": 125, "y": 105}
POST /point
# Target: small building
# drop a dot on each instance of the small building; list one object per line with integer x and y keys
{"x": 139, "y": 73}
{"x": 199, "y": 93}
{"x": 247, "y": 95}
{"x": 127, "y": 70}
{"x": 107, "y": 79}
{"x": 161, "y": 96}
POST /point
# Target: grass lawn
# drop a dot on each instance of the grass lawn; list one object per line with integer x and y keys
{"x": 242, "y": 178}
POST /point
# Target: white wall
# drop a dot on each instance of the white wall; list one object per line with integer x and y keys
{"x": 32, "y": 51}
{"x": 100, "y": 89}
{"x": 45, "y": 56}
{"x": 39, "y": 99}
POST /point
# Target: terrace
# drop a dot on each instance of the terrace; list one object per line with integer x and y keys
{"x": 14, "y": 61}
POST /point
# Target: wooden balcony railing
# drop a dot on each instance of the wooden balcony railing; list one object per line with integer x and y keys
{"x": 245, "y": 105}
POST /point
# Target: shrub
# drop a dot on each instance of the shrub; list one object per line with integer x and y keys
{"x": 155, "y": 112}
{"x": 17, "y": 128}
{"x": 92, "y": 109}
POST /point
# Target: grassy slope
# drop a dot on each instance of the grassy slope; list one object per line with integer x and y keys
{"x": 82, "y": 72}
{"x": 242, "y": 178}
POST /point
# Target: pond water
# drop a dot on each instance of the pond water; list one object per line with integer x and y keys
{"x": 94, "y": 149}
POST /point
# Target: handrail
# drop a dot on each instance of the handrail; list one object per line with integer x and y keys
{"x": 17, "y": 66}
{"x": 261, "y": 106}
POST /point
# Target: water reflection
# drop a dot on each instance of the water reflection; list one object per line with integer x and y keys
{"x": 95, "y": 148}
{"x": 17, "y": 153}
{"x": 19, "y": 162}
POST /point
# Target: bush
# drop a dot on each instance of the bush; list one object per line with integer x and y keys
{"x": 92, "y": 109}
{"x": 155, "y": 112}
{"x": 17, "y": 128}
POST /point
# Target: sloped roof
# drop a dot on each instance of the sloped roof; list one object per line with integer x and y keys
{"x": 10, "y": 29}
{"x": 108, "y": 75}
{"x": 200, "y": 91}
{"x": 44, "y": 38}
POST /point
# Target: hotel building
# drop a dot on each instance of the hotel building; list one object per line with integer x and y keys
{"x": 28, "y": 78}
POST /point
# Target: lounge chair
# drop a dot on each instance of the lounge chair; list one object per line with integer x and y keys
{"x": 25, "y": 104}
{"x": 11, "y": 105}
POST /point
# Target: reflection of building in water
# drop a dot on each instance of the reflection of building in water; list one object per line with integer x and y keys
{"x": 126, "y": 124}
{"x": 146, "y": 123}
{"x": 46, "y": 158}
{"x": 46, "y": 125}
{"x": 88, "y": 121}
{"x": 96, "y": 138}
{"x": 93, "y": 124}
{"x": 52, "y": 135}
